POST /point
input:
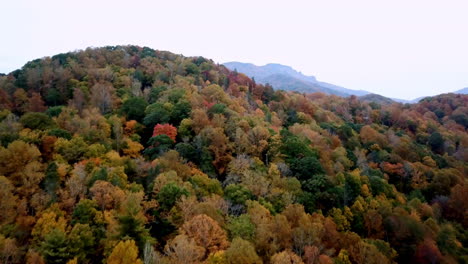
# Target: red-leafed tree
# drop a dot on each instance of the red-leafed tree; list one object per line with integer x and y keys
{"x": 428, "y": 252}
{"x": 165, "y": 129}
{"x": 36, "y": 104}
{"x": 5, "y": 101}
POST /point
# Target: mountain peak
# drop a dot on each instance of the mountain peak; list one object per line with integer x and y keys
{"x": 278, "y": 66}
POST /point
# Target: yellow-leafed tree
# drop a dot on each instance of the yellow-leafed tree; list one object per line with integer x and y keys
{"x": 126, "y": 252}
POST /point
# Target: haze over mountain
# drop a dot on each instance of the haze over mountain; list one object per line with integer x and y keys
{"x": 286, "y": 78}
{"x": 462, "y": 91}
{"x": 416, "y": 100}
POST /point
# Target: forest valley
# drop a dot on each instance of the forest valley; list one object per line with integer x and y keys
{"x": 127, "y": 154}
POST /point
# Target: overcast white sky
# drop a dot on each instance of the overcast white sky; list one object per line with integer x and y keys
{"x": 398, "y": 48}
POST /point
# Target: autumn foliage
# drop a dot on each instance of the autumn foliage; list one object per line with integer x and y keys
{"x": 165, "y": 129}
{"x": 127, "y": 154}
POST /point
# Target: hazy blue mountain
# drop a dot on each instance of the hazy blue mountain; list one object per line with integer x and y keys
{"x": 286, "y": 78}
{"x": 287, "y": 82}
{"x": 416, "y": 100}
{"x": 462, "y": 91}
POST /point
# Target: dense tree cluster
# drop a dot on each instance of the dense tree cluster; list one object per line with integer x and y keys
{"x": 130, "y": 155}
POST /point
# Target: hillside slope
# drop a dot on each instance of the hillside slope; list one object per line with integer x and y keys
{"x": 376, "y": 98}
{"x": 126, "y": 153}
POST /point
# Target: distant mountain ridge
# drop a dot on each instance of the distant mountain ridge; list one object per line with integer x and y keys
{"x": 416, "y": 100}
{"x": 286, "y": 78}
{"x": 462, "y": 91}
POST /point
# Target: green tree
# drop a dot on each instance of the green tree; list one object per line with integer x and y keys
{"x": 54, "y": 111}
{"x": 156, "y": 113}
{"x": 134, "y": 108}
{"x": 60, "y": 133}
{"x": 237, "y": 194}
{"x": 51, "y": 181}
{"x": 242, "y": 252}
{"x": 37, "y": 121}
{"x": 306, "y": 167}
{"x": 242, "y": 227}
{"x": 169, "y": 194}
{"x": 82, "y": 242}
{"x": 436, "y": 142}
{"x": 72, "y": 150}
{"x": 132, "y": 221}
{"x": 86, "y": 212}
{"x": 180, "y": 111}
{"x": 186, "y": 150}
{"x": 158, "y": 145}
{"x": 55, "y": 247}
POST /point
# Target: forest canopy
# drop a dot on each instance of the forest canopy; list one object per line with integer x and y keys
{"x": 126, "y": 154}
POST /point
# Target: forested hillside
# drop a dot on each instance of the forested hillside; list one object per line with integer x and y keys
{"x": 130, "y": 155}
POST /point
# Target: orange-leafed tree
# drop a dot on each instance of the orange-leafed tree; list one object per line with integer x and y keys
{"x": 129, "y": 127}
{"x": 311, "y": 254}
{"x": 286, "y": 257}
{"x": 20, "y": 163}
{"x": 36, "y": 104}
{"x": 9, "y": 201}
{"x": 206, "y": 232}
{"x": 183, "y": 249}
{"x": 9, "y": 251}
{"x": 107, "y": 195}
{"x": 5, "y": 101}
{"x": 457, "y": 205}
{"x": 165, "y": 129}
